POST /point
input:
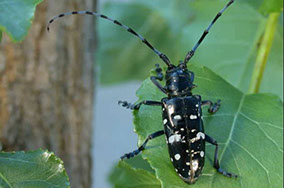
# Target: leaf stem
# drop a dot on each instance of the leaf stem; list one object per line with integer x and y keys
{"x": 263, "y": 52}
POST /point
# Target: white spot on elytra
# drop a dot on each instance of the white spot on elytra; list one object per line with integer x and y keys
{"x": 187, "y": 163}
{"x": 176, "y": 169}
{"x": 182, "y": 129}
{"x": 172, "y": 159}
{"x": 165, "y": 121}
{"x": 202, "y": 153}
{"x": 186, "y": 151}
{"x": 189, "y": 173}
{"x": 177, "y": 117}
{"x": 193, "y": 130}
{"x": 196, "y": 105}
{"x": 193, "y": 116}
{"x": 171, "y": 109}
{"x": 194, "y": 165}
{"x": 200, "y": 135}
{"x": 174, "y": 138}
{"x": 177, "y": 156}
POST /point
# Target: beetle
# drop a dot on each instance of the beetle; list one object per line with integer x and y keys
{"x": 181, "y": 110}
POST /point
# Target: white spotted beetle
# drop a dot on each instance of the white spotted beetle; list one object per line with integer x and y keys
{"x": 183, "y": 125}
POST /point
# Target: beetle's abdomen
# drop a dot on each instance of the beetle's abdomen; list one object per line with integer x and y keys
{"x": 185, "y": 136}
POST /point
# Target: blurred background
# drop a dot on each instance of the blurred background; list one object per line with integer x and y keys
{"x": 60, "y": 90}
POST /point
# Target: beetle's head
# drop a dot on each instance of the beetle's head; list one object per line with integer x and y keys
{"x": 179, "y": 80}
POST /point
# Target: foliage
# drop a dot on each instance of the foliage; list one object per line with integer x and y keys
{"x": 248, "y": 127}
{"x": 173, "y": 27}
{"x": 269, "y": 6}
{"x": 251, "y": 142}
{"x": 16, "y": 17}
{"x": 38, "y": 168}
{"x": 134, "y": 173}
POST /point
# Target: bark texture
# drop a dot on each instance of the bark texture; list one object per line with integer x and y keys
{"x": 47, "y": 88}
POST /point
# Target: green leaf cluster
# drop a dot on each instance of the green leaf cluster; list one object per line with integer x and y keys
{"x": 38, "y": 168}
{"x": 16, "y": 17}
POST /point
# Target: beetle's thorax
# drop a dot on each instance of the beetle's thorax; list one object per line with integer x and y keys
{"x": 178, "y": 81}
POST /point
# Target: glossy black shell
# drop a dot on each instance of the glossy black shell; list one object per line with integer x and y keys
{"x": 185, "y": 135}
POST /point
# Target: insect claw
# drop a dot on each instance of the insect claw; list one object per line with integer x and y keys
{"x": 215, "y": 107}
{"x": 124, "y": 104}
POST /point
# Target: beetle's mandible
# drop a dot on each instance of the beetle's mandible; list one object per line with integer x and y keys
{"x": 182, "y": 112}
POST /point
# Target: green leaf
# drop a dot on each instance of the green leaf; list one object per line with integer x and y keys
{"x": 266, "y": 6}
{"x": 269, "y": 6}
{"x": 173, "y": 27}
{"x": 125, "y": 174}
{"x": 248, "y": 129}
{"x": 16, "y": 17}
{"x": 38, "y": 168}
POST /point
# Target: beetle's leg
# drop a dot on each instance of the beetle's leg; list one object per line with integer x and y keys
{"x": 216, "y": 161}
{"x": 142, "y": 147}
{"x": 197, "y": 97}
{"x": 137, "y": 106}
{"x": 154, "y": 80}
{"x": 159, "y": 72}
{"x": 160, "y": 77}
{"x": 213, "y": 107}
{"x": 191, "y": 76}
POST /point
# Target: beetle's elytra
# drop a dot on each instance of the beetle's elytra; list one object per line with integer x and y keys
{"x": 181, "y": 110}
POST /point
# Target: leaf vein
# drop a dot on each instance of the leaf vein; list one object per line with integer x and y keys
{"x": 18, "y": 160}
{"x": 271, "y": 125}
{"x": 239, "y": 171}
{"x": 250, "y": 154}
{"x": 264, "y": 132}
{"x": 5, "y": 180}
{"x": 233, "y": 126}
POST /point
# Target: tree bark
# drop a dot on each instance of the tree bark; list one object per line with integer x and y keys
{"x": 47, "y": 88}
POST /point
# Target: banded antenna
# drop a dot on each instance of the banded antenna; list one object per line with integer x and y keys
{"x": 161, "y": 55}
{"x": 191, "y": 52}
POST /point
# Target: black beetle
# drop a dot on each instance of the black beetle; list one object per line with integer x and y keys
{"x": 182, "y": 113}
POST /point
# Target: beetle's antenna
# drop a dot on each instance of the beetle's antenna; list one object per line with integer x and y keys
{"x": 191, "y": 52}
{"x": 161, "y": 55}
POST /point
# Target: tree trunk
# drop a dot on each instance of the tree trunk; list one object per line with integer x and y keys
{"x": 47, "y": 88}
